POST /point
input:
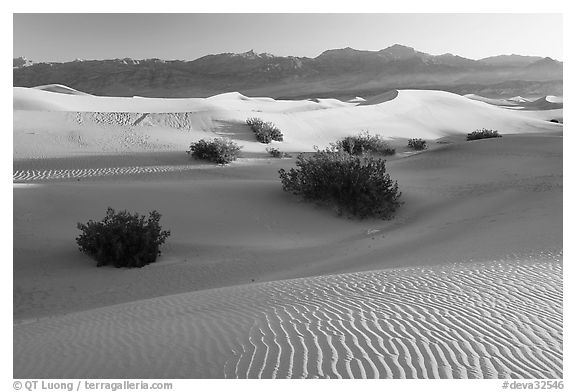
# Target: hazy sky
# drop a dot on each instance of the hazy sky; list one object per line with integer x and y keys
{"x": 64, "y": 37}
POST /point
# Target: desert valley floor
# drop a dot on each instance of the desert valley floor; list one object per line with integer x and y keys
{"x": 464, "y": 282}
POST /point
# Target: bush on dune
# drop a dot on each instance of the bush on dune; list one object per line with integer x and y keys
{"x": 265, "y": 132}
{"x": 482, "y": 134}
{"x": 276, "y": 153}
{"x": 417, "y": 144}
{"x": 358, "y": 185}
{"x": 123, "y": 239}
{"x": 364, "y": 143}
{"x": 218, "y": 150}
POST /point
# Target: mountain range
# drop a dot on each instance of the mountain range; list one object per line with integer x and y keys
{"x": 338, "y": 73}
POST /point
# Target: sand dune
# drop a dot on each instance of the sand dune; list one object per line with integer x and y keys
{"x": 493, "y": 101}
{"x": 234, "y": 224}
{"x": 380, "y": 98}
{"x": 554, "y": 99}
{"x": 499, "y": 319}
{"x": 254, "y": 283}
{"x": 519, "y": 103}
{"x": 544, "y": 103}
{"x": 518, "y": 99}
{"x": 34, "y": 99}
{"x": 48, "y": 124}
{"x": 59, "y": 88}
{"x": 357, "y": 100}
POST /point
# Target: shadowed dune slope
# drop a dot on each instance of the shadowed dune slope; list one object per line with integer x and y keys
{"x": 59, "y": 88}
{"x": 380, "y": 98}
{"x": 548, "y": 102}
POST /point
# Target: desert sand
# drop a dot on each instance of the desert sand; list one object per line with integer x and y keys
{"x": 464, "y": 282}
{"x": 490, "y": 320}
{"x": 549, "y": 102}
{"x": 49, "y": 124}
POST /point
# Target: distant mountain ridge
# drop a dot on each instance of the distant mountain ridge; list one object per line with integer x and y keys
{"x": 335, "y": 72}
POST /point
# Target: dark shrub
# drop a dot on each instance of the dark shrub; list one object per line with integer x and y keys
{"x": 219, "y": 150}
{"x": 276, "y": 153}
{"x": 358, "y": 185}
{"x": 265, "y": 131}
{"x": 482, "y": 134}
{"x": 417, "y": 144}
{"x": 364, "y": 143}
{"x": 123, "y": 239}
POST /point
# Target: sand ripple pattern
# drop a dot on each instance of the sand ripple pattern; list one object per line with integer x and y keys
{"x": 499, "y": 319}
{"x": 63, "y": 174}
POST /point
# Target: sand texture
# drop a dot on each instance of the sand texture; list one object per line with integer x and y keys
{"x": 464, "y": 282}
{"x": 485, "y": 320}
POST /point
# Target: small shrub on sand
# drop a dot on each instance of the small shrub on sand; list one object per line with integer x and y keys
{"x": 265, "y": 132}
{"x": 122, "y": 239}
{"x": 358, "y": 185}
{"x": 218, "y": 150}
{"x": 482, "y": 134}
{"x": 364, "y": 143}
{"x": 417, "y": 144}
{"x": 276, "y": 153}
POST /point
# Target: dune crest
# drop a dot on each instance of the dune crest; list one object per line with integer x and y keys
{"x": 554, "y": 99}
{"x": 549, "y": 102}
{"x": 60, "y": 88}
{"x": 49, "y": 124}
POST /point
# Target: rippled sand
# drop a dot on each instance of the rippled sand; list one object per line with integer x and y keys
{"x": 500, "y": 319}
{"x": 59, "y": 174}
